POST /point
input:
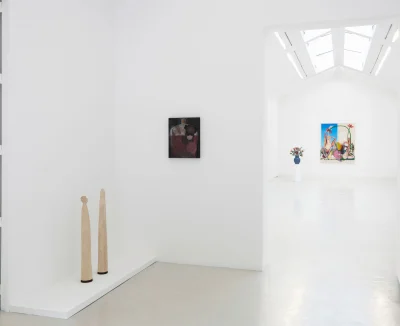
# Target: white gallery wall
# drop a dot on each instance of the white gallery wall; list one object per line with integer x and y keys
{"x": 346, "y": 97}
{"x": 58, "y": 139}
{"x": 271, "y": 140}
{"x": 178, "y": 59}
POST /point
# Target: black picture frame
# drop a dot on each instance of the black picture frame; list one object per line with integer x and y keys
{"x": 183, "y": 129}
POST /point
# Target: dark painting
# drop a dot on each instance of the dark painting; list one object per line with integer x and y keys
{"x": 184, "y": 137}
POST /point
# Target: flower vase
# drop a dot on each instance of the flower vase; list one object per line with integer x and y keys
{"x": 297, "y": 159}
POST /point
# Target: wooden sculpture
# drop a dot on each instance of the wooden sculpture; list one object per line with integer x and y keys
{"x": 86, "y": 258}
{"x": 103, "y": 251}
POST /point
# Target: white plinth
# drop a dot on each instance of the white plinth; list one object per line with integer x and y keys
{"x": 65, "y": 299}
{"x": 297, "y": 177}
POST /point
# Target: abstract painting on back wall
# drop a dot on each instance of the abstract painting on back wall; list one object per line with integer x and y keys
{"x": 184, "y": 137}
{"x": 337, "y": 142}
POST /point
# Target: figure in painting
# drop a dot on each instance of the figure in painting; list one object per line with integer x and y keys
{"x": 337, "y": 142}
{"x": 184, "y": 138}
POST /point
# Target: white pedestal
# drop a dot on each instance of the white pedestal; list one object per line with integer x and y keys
{"x": 297, "y": 173}
{"x": 64, "y": 299}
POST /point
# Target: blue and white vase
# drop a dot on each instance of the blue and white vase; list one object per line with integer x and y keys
{"x": 297, "y": 159}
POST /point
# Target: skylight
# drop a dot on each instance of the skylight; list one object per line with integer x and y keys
{"x": 310, "y": 34}
{"x": 357, "y": 41}
{"x": 323, "y": 62}
{"x": 362, "y": 48}
{"x": 320, "y": 48}
{"x": 367, "y": 30}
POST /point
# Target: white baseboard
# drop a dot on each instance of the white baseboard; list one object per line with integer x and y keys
{"x": 69, "y": 297}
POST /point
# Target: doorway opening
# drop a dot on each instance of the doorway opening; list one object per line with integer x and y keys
{"x": 331, "y": 218}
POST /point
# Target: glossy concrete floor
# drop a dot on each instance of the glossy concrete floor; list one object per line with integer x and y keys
{"x": 331, "y": 254}
{"x": 336, "y": 261}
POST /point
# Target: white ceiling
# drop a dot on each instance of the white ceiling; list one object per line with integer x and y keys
{"x": 282, "y": 77}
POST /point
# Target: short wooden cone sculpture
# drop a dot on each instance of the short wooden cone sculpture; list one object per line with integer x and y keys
{"x": 103, "y": 250}
{"x": 86, "y": 258}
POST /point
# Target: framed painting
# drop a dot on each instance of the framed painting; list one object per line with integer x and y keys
{"x": 184, "y": 137}
{"x": 337, "y": 142}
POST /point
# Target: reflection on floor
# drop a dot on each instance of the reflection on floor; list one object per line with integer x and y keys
{"x": 331, "y": 247}
{"x": 331, "y": 250}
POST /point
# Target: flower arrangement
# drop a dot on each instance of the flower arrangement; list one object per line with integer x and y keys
{"x": 297, "y": 151}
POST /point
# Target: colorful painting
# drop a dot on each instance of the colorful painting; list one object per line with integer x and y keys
{"x": 337, "y": 142}
{"x": 184, "y": 137}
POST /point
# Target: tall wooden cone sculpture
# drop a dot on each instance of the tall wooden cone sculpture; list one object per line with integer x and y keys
{"x": 86, "y": 258}
{"x": 103, "y": 250}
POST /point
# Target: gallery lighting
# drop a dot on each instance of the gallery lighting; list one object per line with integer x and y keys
{"x": 383, "y": 60}
{"x": 396, "y": 36}
{"x": 280, "y": 40}
{"x": 291, "y": 59}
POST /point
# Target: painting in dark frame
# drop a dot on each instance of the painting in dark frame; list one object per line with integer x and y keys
{"x": 184, "y": 137}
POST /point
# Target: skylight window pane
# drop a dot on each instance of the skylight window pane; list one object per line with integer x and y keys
{"x": 356, "y": 43}
{"x": 367, "y": 30}
{"x": 323, "y": 62}
{"x": 353, "y": 60}
{"x": 356, "y": 49}
{"x": 320, "y": 50}
{"x": 320, "y": 45}
{"x": 313, "y": 33}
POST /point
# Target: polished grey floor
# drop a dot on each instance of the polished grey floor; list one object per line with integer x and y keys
{"x": 331, "y": 251}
